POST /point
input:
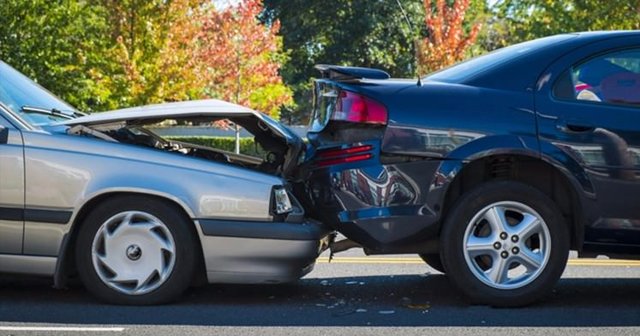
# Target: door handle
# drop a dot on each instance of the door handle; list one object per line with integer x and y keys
{"x": 575, "y": 127}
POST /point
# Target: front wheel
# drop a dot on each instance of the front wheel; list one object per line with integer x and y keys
{"x": 136, "y": 250}
{"x": 507, "y": 244}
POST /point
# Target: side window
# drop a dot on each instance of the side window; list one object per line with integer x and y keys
{"x": 612, "y": 79}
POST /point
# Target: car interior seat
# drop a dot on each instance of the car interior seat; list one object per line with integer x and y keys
{"x": 622, "y": 88}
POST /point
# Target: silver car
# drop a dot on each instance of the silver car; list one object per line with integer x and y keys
{"x": 139, "y": 217}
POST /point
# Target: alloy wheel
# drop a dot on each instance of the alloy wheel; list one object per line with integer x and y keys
{"x": 507, "y": 245}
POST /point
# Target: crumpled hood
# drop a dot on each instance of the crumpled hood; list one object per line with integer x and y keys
{"x": 195, "y": 108}
{"x": 264, "y": 127}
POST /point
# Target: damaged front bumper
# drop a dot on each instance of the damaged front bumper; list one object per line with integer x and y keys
{"x": 260, "y": 252}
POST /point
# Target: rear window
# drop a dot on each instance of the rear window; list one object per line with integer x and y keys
{"x": 468, "y": 69}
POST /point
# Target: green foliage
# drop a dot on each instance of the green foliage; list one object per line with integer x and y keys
{"x": 60, "y": 44}
{"x": 106, "y": 54}
{"x": 247, "y": 145}
{"x": 522, "y": 20}
{"x": 345, "y": 32}
{"x": 242, "y": 58}
{"x": 151, "y": 45}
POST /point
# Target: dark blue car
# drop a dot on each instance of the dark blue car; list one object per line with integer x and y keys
{"x": 490, "y": 170}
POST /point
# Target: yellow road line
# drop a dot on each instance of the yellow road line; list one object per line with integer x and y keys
{"x": 416, "y": 260}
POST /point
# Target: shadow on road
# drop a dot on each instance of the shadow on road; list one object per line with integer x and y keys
{"x": 351, "y": 301}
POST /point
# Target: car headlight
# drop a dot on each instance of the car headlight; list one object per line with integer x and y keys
{"x": 282, "y": 203}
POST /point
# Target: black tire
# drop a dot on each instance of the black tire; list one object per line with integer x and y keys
{"x": 461, "y": 270}
{"x": 434, "y": 261}
{"x": 178, "y": 278}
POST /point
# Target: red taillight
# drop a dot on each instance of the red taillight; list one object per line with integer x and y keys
{"x": 347, "y": 159}
{"x": 332, "y": 153}
{"x": 337, "y": 156}
{"x": 354, "y": 107}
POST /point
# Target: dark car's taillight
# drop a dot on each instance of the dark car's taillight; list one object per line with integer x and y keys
{"x": 354, "y": 107}
{"x": 330, "y": 157}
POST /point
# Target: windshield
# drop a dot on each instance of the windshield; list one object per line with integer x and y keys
{"x": 17, "y": 90}
{"x": 462, "y": 71}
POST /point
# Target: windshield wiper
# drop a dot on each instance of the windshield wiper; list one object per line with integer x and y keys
{"x": 52, "y": 112}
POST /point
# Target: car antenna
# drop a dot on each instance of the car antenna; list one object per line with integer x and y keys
{"x": 406, "y": 18}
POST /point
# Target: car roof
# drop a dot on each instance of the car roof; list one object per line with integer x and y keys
{"x": 606, "y": 33}
{"x": 522, "y": 72}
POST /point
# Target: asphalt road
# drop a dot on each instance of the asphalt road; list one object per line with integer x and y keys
{"x": 354, "y": 295}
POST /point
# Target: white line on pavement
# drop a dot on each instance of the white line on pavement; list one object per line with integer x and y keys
{"x": 28, "y": 328}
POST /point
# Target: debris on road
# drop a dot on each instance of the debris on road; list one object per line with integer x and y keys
{"x": 419, "y": 306}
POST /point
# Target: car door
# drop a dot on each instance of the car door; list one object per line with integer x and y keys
{"x": 11, "y": 188}
{"x": 589, "y": 107}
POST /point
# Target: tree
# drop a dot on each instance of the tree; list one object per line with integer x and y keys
{"x": 242, "y": 58}
{"x": 153, "y": 49}
{"x": 529, "y": 19}
{"x": 447, "y": 41}
{"x": 59, "y": 44}
{"x": 345, "y": 32}
{"x": 104, "y": 54}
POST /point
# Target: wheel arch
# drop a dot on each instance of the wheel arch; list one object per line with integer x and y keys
{"x": 66, "y": 263}
{"x": 545, "y": 172}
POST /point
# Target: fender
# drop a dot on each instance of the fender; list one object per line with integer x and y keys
{"x": 489, "y": 146}
{"x": 485, "y": 147}
{"x": 62, "y": 262}
{"x": 567, "y": 165}
{"x": 456, "y": 160}
{"x": 496, "y": 145}
{"x": 515, "y": 145}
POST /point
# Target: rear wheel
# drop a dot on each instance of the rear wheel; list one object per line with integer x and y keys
{"x": 136, "y": 250}
{"x": 434, "y": 261}
{"x": 506, "y": 244}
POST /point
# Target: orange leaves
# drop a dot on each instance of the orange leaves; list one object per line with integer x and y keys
{"x": 447, "y": 40}
{"x": 187, "y": 49}
{"x": 152, "y": 51}
{"x": 241, "y": 58}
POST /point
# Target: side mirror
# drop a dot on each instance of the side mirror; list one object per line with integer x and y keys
{"x": 4, "y": 135}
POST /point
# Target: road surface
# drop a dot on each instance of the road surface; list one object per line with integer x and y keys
{"x": 353, "y": 295}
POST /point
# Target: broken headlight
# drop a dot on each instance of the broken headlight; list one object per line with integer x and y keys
{"x": 281, "y": 201}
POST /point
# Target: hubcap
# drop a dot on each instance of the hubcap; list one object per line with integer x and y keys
{"x": 133, "y": 252}
{"x": 507, "y": 245}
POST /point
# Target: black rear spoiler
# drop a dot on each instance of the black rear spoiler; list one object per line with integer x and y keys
{"x": 338, "y": 72}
